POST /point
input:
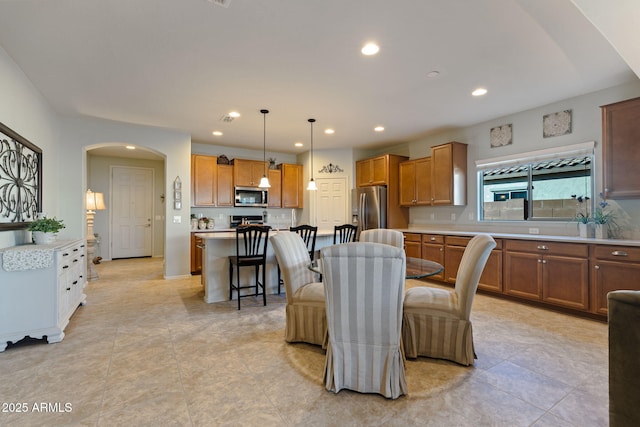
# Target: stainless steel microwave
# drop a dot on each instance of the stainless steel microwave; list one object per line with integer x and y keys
{"x": 251, "y": 196}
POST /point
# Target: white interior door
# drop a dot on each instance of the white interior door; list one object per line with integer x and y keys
{"x": 132, "y": 209}
{"x": 332, "y": 202}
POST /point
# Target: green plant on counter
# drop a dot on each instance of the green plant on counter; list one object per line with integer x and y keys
{"x": 46, "y": 225}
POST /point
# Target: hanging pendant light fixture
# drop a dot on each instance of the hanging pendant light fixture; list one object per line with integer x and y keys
{"x": 264, "y": 181}
{"x": 312, "y": 184}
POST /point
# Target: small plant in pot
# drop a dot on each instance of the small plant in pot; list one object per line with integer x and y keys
{"x": 44, "y": 230}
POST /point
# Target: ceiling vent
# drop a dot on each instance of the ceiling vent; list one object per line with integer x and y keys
{"x": 223, "y": 3}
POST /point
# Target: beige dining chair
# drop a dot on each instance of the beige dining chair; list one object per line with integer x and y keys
{"x": 364, "y": 289}
{"x": 436, "y": 321}
{"x": 383, "y": 235}
{"x": 305, "y": 309}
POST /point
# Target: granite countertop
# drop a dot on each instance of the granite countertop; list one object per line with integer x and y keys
{"x": 542, "y": 237}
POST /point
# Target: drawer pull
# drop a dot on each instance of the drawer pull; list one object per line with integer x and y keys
{"x": 619, "y": 253}
{"x": 433, "y": 239}
{"x": 75, "y": 282}
{"x": 65, "y": 254}
{"x": 199, "y": 246}
{"x": 75, "y": 250}
{"x": 65, "y": 266}
{"x": 597, "y": 267}
{"x": 75, "y": 260}
{"x": 543, "y": 247}
{"x": 68, "y": 289}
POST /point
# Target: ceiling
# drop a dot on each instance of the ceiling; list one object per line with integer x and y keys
{"x": 186, "y": 64}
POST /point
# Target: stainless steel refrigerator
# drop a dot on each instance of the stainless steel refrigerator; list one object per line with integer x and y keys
{"x": 371, "y": 206}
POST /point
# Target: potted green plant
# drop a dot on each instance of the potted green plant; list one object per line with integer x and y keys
{"x": 44, "y": 230}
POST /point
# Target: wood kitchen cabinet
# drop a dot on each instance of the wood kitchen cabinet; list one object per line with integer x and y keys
{"x": 373, "y": 171}
{"x": 620, "y": 153}
{"x": 413, "y": 245}
{"x": 203, "y": 180}
{"x": 491, "y": 278}
{"x": 612, "y": 268}
{"x": 415, "y": 182}
{"x": 449, "y": 174}
{"x": 433, "y": 250}
{"x": 552, "y": 272}
{"x": 275, "y": 192}
{"x": 196, "y": 254}
{"x": 247, "y": 173}
{"x": 292, "y": 196}
{"x": 224, "y": 185}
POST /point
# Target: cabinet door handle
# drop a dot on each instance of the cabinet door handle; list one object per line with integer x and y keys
{"x": 543, "y": 248}
{"x": 597, "y": 267}
{"x": 65, "y": 266}
{"x": 75, "y": 282}
{"x": 68, "y": 289}
{"x": 199, "y": 246}
{"x": 619, "y": 253}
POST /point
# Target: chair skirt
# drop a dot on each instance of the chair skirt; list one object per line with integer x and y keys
{"x": 384, "y": 365}
{"x": 306, "y": 323}
{"x": 437, "y": 337}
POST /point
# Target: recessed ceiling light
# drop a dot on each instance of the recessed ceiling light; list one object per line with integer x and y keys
{"x": 479, "y": 92}
{"x": 329, "y": 131}
{"x": 298, "y": 144}
{"x": 130, "y": 147}
{"x": 378, "y": 128}
{"x": 370, "y": 49}
{"x": 432, "y": 74}
{"x": 234, "y": 114}
{"x": 217, "y": 133}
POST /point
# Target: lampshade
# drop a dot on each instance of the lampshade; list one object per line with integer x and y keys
{"x": 95, "y": 201}
{"x": 312, "y": 184}
{"x": 264, "y": 181}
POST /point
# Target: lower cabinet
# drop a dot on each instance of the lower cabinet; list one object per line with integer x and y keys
{"x": 433, "y": 249}
{"x": 42, "y": 289}
{"x": 612, "y": 268}
{"x": 491, "y": 279}
{"x": 196, "y": 254}
{"x": 412, "y": 245}
{"x": 552, "y": 272}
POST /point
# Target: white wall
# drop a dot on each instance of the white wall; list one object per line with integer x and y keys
{"x": 24, "y": 110}
{"x": 527, "y": 136}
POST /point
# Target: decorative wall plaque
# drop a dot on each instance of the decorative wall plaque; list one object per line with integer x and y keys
{"x": 556, "y": 124}
{"x": 330, "y": 168}
{"x": 501, "y": 135}
{"x": 20, "y": 180}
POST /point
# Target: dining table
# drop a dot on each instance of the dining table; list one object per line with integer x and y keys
{"x": 416, "y": 268}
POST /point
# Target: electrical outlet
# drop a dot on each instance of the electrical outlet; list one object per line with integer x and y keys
{"x": 432, "y": 216}
{"x": 177, "y": 219}
{"x": 453, "y": 217}
{"x": 534, "y": 231}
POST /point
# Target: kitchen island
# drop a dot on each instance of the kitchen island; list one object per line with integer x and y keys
{"x": 218, "y": 246}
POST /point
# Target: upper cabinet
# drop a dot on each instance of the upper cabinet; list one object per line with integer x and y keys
{"x": 247, "y": 173}
{"x": 620, "y": 153}
{"x": 415, "y": 182}
{"x": 449, "y": 174}
{"x": 292, "y": 196}
{"x": 437, "y": 180}
{"x": 224, "y": 186}
{"x": 203, "y": 180}
{"x": 373, "y": 171}
{"x": 275, "y": 192}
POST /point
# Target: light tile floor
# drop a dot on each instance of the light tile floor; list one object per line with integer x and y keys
{"x": 147, "y": 351}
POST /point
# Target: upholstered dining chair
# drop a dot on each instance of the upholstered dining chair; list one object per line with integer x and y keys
{"x": 436, "y": 322}
{"x": 383, "y": 235}
{"x": 364, "y": 289}
{"x": 305, "y": 309}
{"x": 344, "y": 233}
{"x": 308, "y": 234}
{"x": 251, "y": 251}
{"x": 624, "y": 353}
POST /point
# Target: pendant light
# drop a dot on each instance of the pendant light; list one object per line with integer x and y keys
{"x": 264, "y": 181}
{"x": 312, "y": 184}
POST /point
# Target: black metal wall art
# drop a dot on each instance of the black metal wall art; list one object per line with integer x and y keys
{"x": 20, "y": 180}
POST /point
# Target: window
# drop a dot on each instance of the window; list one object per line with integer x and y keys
{"x": 542, "y": 185}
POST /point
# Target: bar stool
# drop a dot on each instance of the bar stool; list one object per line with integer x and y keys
{"x": 251, "y": 251}
{"x": 308, "y": 234}
{"x": 344, "y": 233}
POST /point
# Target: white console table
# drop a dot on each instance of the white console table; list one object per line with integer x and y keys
{"x": 40, "y": 288}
